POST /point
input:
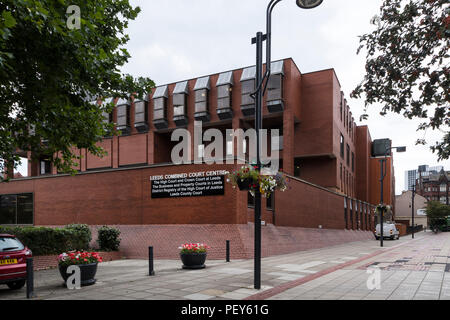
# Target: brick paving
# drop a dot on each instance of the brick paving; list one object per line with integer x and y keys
{"x": 410, "y": 269}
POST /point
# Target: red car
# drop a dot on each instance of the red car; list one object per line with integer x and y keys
{"x": 13, "y": 263}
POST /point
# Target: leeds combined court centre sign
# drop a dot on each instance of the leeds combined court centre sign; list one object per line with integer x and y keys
{"x": 193, "y": 184}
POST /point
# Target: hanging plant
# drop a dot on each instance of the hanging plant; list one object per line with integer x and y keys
{"x": 249, "y": 178}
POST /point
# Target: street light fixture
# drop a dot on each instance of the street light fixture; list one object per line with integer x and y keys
{"x": 258, "y": 95}
{"x": 309, "y": 4}
{"x": 383, "y": 174}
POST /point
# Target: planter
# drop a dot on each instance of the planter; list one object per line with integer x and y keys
{"x": 87, "y": 271}
{"x": 245, "y": 184}
{"x": 193, "y": 260}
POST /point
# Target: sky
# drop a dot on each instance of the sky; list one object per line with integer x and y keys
{"x": 173, "y": 40}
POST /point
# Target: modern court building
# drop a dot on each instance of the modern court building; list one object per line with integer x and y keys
{"x": 332, "y": 164}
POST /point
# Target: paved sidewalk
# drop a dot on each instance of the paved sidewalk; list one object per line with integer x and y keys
{"x": 409, "y": 269}
{"x": 417, "y": 270}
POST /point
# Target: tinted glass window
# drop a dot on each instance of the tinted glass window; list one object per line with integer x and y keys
{"x": 223, "y": 91}
{"x": 159, "y": 103}
{"x": 8, "y": 209}
{"x": 201, "y": 95}
{"x": 178, "y": 99}
{"x": 247, "y": 86}
{"x": 25, "y": 208}
{"x": 16, "y": 208}
{"x": 10, "y": 244}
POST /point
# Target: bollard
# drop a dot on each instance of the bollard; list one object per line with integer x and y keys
{"x": 228, "y": 250}
{"x": 30, "y": 278}
{"x": 151, "y": 272}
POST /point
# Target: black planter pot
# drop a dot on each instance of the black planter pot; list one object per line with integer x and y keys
{"x": 87, "y": 271}
{"x": 245, "y": 184}
{"x": 193, "y": 260}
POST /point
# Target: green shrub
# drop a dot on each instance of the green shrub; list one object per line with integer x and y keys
{"x": 47, "y": 241}
{"x": 83, "y": 237}
{"x": 108, "y": 238}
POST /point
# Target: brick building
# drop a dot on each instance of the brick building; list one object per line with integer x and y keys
{"x": 434, "y": 186}
{"x": 334, "y": 173}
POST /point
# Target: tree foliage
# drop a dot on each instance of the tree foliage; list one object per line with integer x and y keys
{"x": 51, "y": 71}
{"x": 437, "y": 212}
{"x": 407, "y": 64}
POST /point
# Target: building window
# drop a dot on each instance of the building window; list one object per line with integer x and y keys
{"x": 342, "y": 146}
{"x": 179, "y": 103}
{"x": 45, "y": 166}
{"x": 123, "y": 116}
{"x": 248, "y": 87}
{"x": 345, "y": 213}
{"x": 270, "y": 202}
{"x": 250, "y": 200}
{"x": 348, "y": 155}
{"x": 16, "y": 209}
{"x": 141, "y": 115}
{"x": 159, "y": 108}
{"x": 341, "y": 104}
{"x": 353, "y": 162}
{"x": 224, "y": 88}
{"x": 275, "y": 87}
{"x": 201, "y": 89}
{"x": 443, "y": 188}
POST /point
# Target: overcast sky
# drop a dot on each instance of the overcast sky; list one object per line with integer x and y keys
{"x": 173, "y": 40}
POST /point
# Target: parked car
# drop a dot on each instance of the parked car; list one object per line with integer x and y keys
{"x": 13, "y": 264}
{"x": 389, "y": 231}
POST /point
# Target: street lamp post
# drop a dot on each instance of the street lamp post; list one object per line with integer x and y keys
{"x": 258, "y": 95}
{"x": 412, "y": 209}
{"x": 382, "y": 175}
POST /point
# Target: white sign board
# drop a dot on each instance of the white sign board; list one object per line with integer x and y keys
{"x": 421, "y": 212}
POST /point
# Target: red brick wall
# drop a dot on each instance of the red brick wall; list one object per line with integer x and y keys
{"x": 166, "y": 239}
{"x": 124, "y": 197}
{"x": 305, "y": 205}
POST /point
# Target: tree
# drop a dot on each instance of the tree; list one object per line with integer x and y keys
{"x": 407, "y": 64}
{"x": 437, "y": 213}
{"x": 56, "y": 57}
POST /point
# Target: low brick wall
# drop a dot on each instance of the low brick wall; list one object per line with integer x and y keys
{"x": 166, "y": 239}
{"x": 51, "y": 261}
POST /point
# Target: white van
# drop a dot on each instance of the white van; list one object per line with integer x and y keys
{"x": 389, "y": 231}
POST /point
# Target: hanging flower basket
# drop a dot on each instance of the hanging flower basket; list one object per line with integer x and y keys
{"x": 249, "y": 178}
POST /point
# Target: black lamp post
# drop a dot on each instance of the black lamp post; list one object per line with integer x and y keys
{"x": 258, "y": 95}
{"x": 383, "y": 174}
{"x": 412, "y": 209}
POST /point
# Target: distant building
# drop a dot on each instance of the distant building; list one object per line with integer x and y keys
{"x": 412, "y": 175}
{"x": 403, "y": 213}
{"x": 435, "y": 186}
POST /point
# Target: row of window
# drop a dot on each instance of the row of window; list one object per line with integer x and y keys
{"x": 346, "y": 117}
{"x": 351, "y": 210}
{"x": 350, "y": 158}
{"x": 16, "y": 209}
{"x": 441, "y": 188}
{"x": 347, "y": 181}
{"x": 202, "y": 88}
